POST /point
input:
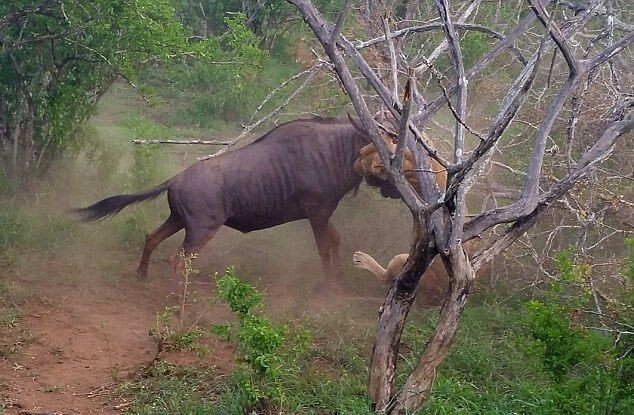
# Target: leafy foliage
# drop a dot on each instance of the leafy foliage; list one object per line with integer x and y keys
{"x": 579, "y": 361}
{"x": 262, "y": 363}
{"x": 239, "y": 296}
{"x": 57, "y": 63}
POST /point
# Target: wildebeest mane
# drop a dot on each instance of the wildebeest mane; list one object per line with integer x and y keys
{"x": 315, "y": 119}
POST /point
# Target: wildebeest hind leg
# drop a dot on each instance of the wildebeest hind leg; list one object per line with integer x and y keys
{"x": 195, "y": 240}
{"x": 329, "y": 252}
{"x": 335, "y": 257}
{"x": 167, "y": 229}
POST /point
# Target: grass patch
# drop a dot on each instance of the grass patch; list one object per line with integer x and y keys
{"x": 172, "y": 390}
{"x": 24, "y": 231}
{"x": 487, "y": 371}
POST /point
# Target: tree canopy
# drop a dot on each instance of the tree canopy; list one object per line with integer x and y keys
{"x": 58, "y": 57}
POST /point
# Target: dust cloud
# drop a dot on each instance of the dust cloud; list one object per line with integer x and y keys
{"x": 282, "y": 261}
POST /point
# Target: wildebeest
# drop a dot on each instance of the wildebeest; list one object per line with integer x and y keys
{"x": 299, "y": 170}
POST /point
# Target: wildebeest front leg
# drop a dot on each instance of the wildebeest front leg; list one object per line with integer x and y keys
{"x": 327, "y": 240}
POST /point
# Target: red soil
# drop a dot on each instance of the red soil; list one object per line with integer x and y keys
{"x": 75, "y": 345}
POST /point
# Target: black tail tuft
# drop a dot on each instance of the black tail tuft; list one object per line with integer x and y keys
{"x": 114, "y": 204}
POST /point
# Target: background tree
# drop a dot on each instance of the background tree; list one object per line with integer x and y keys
{"x": 539, "y": 88}
{"x": 58, "y": 58}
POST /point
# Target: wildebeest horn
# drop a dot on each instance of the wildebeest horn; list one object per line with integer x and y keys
{"x": 356, "y": 125}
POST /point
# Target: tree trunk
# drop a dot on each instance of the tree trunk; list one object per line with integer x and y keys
{"x": 392, "y": 316}
{"x": 418, "y": 386}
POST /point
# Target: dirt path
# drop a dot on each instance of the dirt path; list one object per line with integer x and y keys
{"x": 76, "y": 344}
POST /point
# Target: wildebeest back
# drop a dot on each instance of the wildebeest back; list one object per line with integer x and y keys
{"x": 277, "y": 178}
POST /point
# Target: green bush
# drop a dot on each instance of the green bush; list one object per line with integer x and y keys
{"x": 583, "y": 365}
{"x": 277, "y": 368}
{"x": 265, "y": 354}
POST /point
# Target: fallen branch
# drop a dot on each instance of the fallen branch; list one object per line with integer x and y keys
{"x": 185, "y": 142}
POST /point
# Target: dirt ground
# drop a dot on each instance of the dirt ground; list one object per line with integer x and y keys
{"x": 76, "y": 344}
{"x": 79, "y": 341}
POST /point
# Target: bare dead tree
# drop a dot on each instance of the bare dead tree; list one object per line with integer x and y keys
{"x": 442, "y": 222}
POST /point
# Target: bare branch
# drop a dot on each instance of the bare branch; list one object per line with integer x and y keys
{"x": 438, "y": 26}
{"x": 461, "y": 80}
{"x": 599, "y": 152}
{"x": 531, "y": 184}
{"x": 510, "y": 105}
{"x": 555, "y": 33}
{"x": 433, "y": 107}
{"x": 341, "y": 17}
{"x": 610, "y": 51}
{"x": 473, "y": 6}
{"x": 184, "y": 142}
{"x": 403, "y": 129}
{"x": 393, "y": 68}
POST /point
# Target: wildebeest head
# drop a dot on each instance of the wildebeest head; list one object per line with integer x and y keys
{"x": 386, "y": 188}
{"x": 369, "y": 165}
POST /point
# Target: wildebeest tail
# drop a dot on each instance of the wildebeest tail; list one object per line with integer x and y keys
{"x": 114, "y": 204}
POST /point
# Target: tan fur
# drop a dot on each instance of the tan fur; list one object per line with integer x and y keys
{"x": 433, "y": 286}
{"x": 369, "y": 164}
{"x": 364, "y": 261}
{"x": 395, "y": 266}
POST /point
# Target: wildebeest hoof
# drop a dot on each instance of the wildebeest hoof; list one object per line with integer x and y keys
{"x": 329, "y": 288}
